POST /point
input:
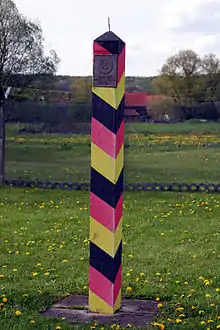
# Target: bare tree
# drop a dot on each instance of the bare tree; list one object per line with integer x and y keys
{"x": 21, "y": 53}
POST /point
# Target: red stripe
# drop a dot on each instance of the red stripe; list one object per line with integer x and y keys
{"x": 121, "y": 64}
{"x": 104, "y": 213}
{"x": 117, "y": 284}
{"x": 103, "y": 288}
{"x": 120, "y": 138}
{"x": 98, "y": 49}
{"x": 118, "y": 211}
{"x": 105, "y": 139}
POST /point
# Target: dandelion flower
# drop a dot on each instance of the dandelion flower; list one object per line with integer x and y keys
{"x": 160, "y": 325}
{"x": 179, "y": 309}
{"x": 178, "y": 320}
{"x": 18, "y": 313}
{"x": 128, "y": 289}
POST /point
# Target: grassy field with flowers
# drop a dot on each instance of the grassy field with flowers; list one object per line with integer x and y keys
{"x": 183, "y": 152}
{"x": 171, "y": 254}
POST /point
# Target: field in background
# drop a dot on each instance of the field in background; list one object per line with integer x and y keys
{"x": 170, "y": 249}
{"x": 171, "y": 253}
{"x": 184, "y": 152}
{"x": 191, "y": 126}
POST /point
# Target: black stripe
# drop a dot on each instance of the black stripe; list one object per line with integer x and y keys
{"x": 104, "y": 263}
{"x": 106, "y": 115}
{"x": 111, "y": 42}
{"x": 105, "y": 189}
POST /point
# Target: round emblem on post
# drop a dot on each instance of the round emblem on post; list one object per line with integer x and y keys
{"x": 105, "y": 71}
{"x": 105, "y": 66}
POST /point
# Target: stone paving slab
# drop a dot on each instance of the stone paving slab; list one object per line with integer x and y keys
{"x": 138, "y": 313}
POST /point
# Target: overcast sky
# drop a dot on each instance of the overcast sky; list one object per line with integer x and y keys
{"x": 152, "y": 29}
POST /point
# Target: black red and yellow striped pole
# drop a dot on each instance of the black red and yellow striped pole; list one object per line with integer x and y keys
{"x": 107, "y": 163}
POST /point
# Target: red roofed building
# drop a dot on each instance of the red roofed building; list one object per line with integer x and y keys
{"x": 156, "y": 98}
{"x": 135, "y": 106}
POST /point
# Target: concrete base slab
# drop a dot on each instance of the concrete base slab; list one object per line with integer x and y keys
{"x": 134, "y": 312}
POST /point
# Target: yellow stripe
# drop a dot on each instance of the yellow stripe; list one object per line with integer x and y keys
{"x": 97, "y": 305}
{"x": 106, "y": 165}
{"x": 104, "y": 238}
{"x": 112, "y": 96}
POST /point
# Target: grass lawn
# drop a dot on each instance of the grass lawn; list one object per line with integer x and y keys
{"x": 185, "y": 152}
{"x": 171, "y": 251}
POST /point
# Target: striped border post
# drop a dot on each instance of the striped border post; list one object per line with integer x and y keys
{"x": 107, "y": 163}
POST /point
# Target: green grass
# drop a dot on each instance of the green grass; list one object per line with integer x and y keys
{"x": 183, "y": 127}
{"x": 171, "y": 250}
{"x": 186, "y": 152}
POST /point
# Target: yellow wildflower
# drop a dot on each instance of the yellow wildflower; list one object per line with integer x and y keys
{"x": 160, "y": 325}
{"x": 178, "y": 320}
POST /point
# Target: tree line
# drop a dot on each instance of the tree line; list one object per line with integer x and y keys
{"x": 189, "y": 82}
{"x": 55, "y": 117}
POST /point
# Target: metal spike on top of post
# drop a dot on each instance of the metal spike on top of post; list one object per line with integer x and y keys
{"x": 107, "y": 163}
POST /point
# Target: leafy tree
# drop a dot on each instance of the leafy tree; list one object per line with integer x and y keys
{"x": 22, "y": 57}
{"x": 21, "y": 47}
{"x": 188, "y": 78}
{"x": 210, "y": 78}
{"x": 81, "y": 88}
{"x": 159, "y": 107}
{"x": 164, "y": 85}
{"x": 81, "y": 98}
